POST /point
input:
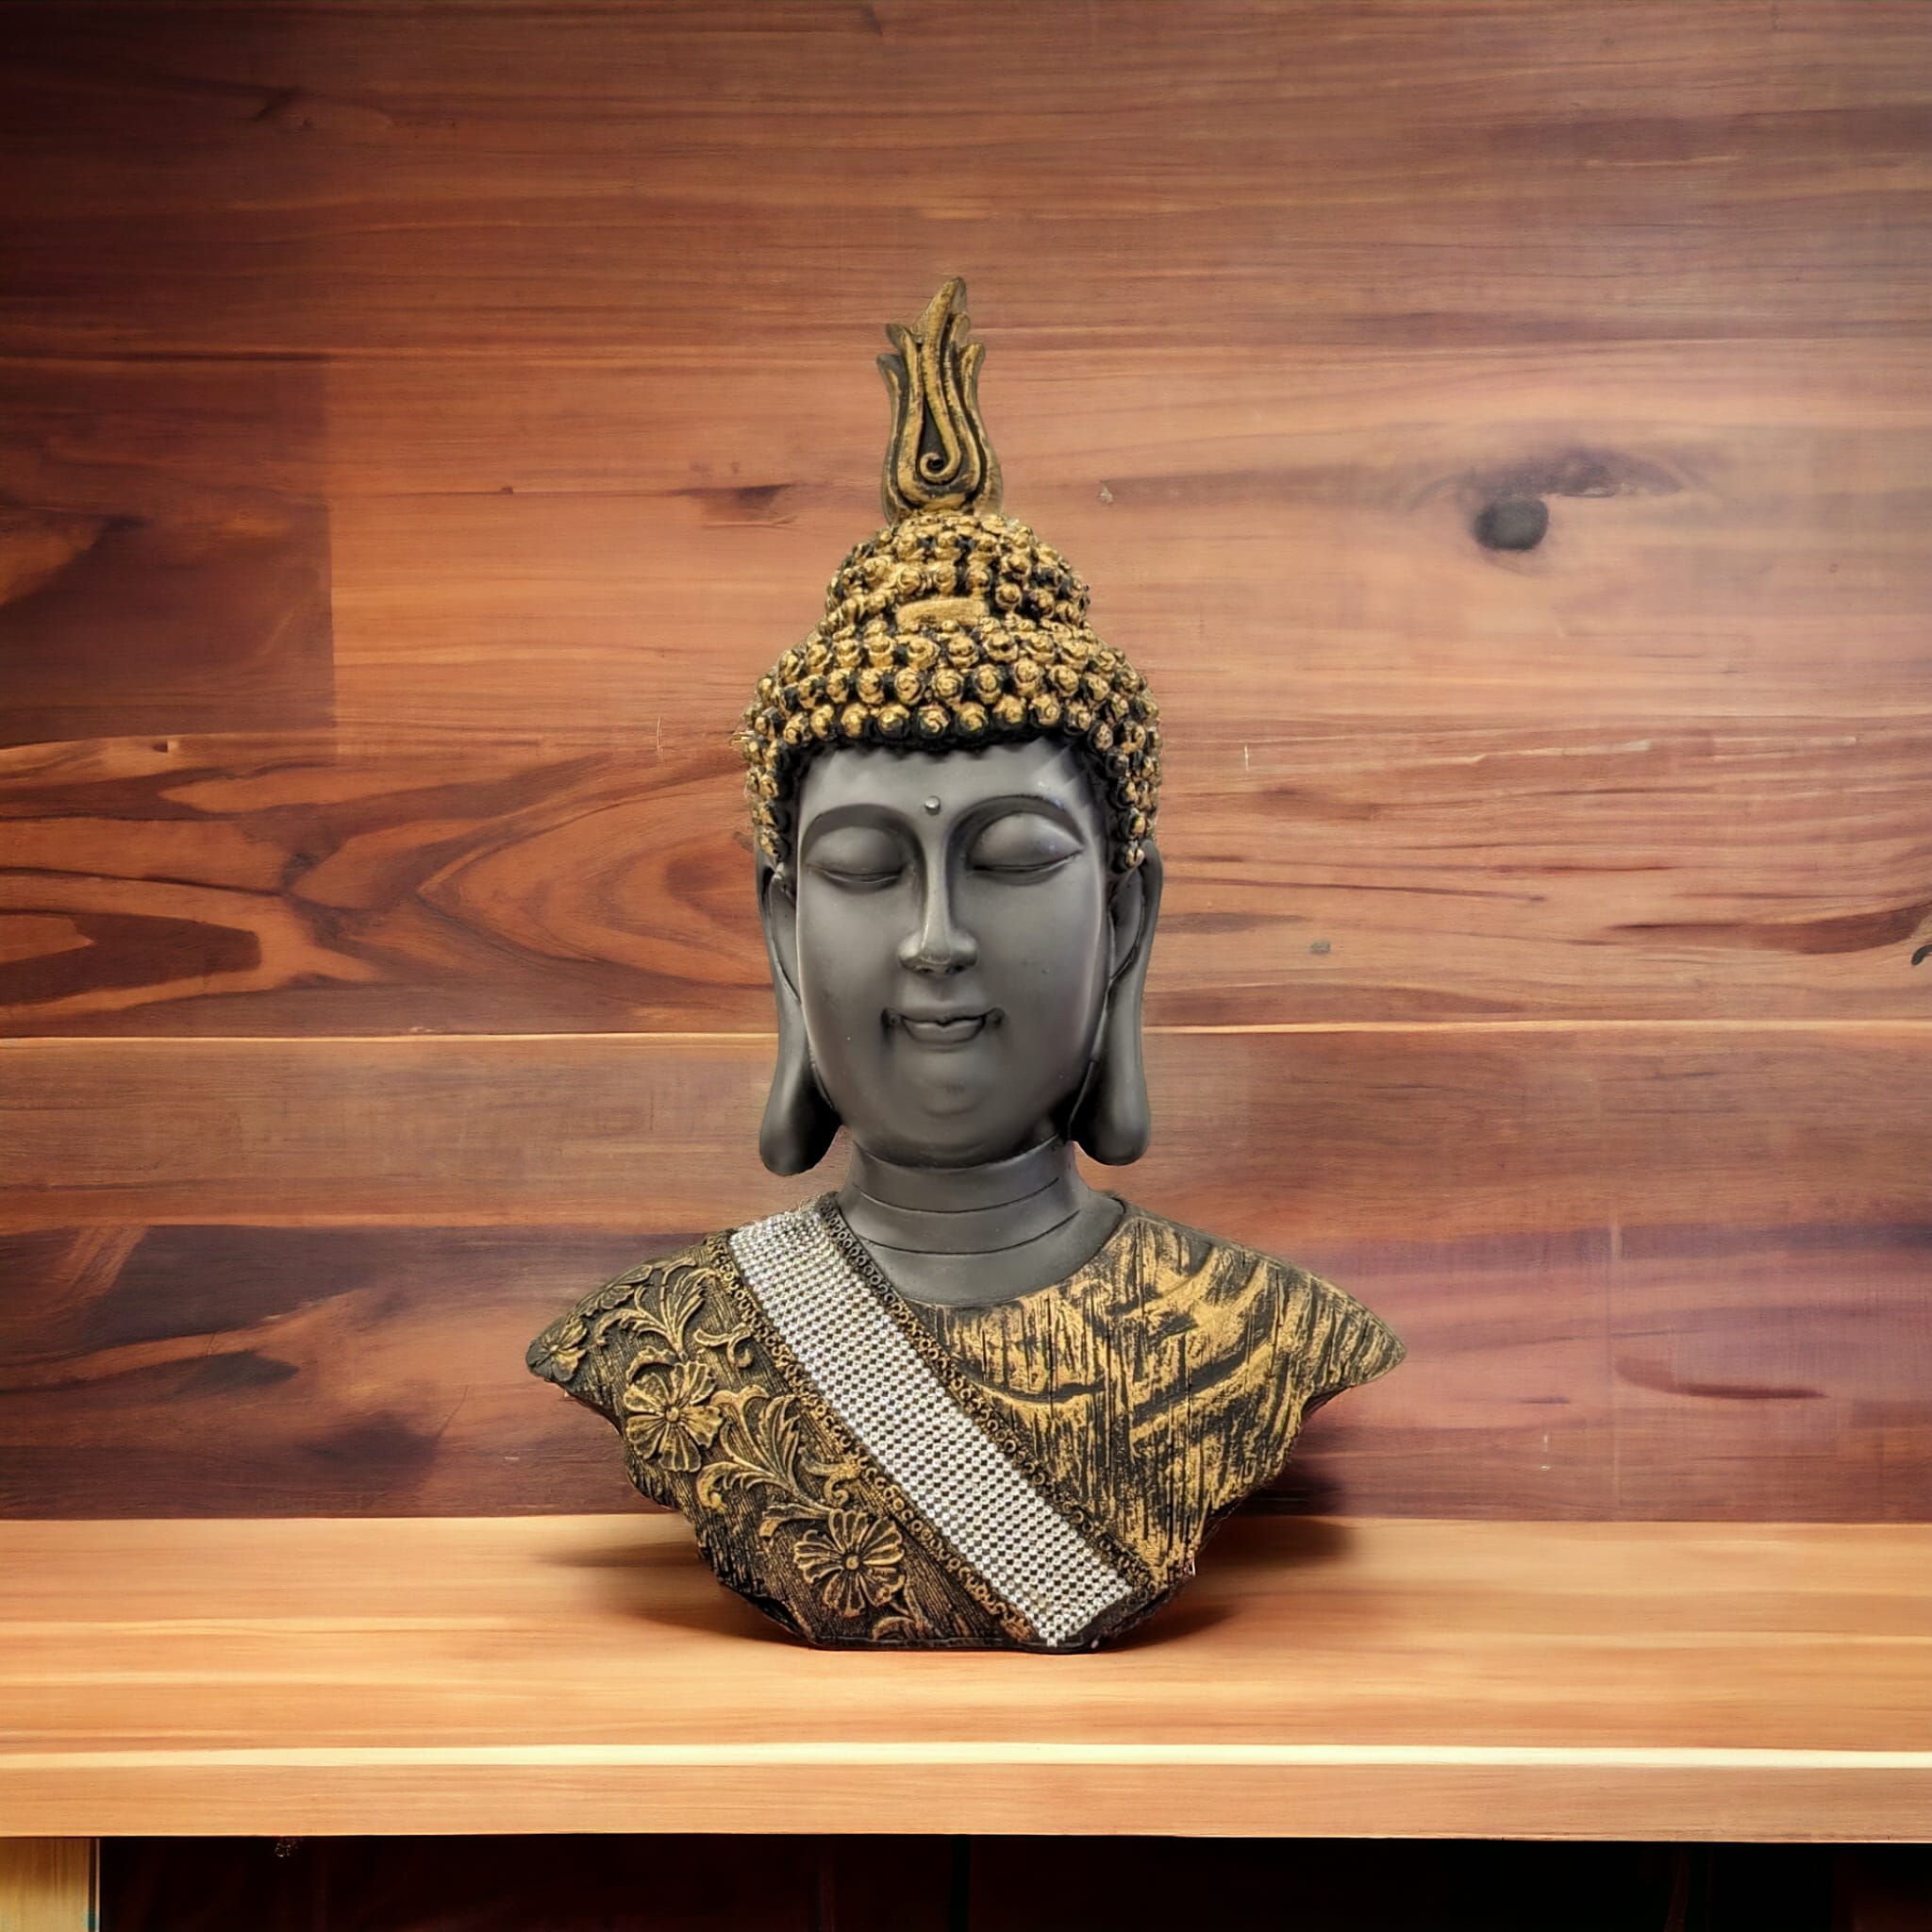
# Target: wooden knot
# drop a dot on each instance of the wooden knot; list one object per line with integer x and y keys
{"x": 1512, "y": 523}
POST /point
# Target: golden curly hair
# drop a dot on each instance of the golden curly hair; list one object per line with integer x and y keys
{"x": 952, "y": 626}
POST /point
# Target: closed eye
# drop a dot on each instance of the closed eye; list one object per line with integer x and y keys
{"x": 856, "y": 857}
{"x": 857, "y": 881}
{"x": 1023, "y": 844}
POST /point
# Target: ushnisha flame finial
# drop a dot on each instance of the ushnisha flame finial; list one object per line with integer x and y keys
{"x": 952, "y": 626}
{"x": 940, "y": 457}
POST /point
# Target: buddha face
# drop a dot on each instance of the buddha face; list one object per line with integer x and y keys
{"x": 950, "y": 935}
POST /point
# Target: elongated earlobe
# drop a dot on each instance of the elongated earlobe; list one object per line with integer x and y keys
{"x": 1113, "y": 1120}
{"x": 799, "y": 1124}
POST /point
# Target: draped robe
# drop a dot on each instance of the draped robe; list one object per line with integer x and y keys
{"x": 1034, "y": 1473}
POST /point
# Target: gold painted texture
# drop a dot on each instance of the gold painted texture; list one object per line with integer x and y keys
{"x": 1143, "y": 1396}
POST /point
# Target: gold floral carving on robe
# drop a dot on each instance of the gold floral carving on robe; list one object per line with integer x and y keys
{"x": 1141, "y": 1398}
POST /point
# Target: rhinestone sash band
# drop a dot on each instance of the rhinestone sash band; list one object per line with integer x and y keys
{"x": 867, "y": 1368}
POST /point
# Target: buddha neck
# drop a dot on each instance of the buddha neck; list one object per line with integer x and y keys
{"x": 959, "y": 1234}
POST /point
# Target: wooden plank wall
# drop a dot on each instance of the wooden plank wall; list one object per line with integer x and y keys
{"x": 420, "y": 424}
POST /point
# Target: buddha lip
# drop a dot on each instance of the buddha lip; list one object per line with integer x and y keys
{"x": 941, "y": 1029}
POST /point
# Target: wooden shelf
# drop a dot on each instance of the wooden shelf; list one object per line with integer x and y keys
{"x": 1331, "y": 1678}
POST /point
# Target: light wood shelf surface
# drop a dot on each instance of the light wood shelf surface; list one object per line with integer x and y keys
{"x": 1320, "y": 1678}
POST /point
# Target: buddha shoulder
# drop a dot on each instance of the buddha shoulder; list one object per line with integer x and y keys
{"x": 1235, "y": 1303}
{"x": 650, "y": 1316}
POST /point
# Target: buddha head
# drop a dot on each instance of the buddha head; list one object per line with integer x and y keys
{"x": 953, "y": 784}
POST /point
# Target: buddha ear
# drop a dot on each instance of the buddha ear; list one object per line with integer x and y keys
{"x": 1112, "y": 1119}
{"x": 799, "y": 1123}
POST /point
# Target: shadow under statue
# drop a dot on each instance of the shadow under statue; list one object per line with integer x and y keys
{"x": 966, "y": 1399}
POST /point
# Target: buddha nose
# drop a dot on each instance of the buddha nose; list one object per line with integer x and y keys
{"x": 939, "y": 944}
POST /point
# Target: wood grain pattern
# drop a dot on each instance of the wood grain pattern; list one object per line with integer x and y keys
{"x": 354, "y": 1371}
{"x": 295, "y": 883}
{"x": 549, "y": 1674}
{"x": 1368, "y": 1132}
{"x": 1277, "y": 537}
{"x": 48, "y": 1884}
{"x": 431, "y": 176}
{"x": 1642, "y": 1271}
{"x": 423, "y": 422}
{"x": 144, "y": 588}
{"x": 613, "y": 552}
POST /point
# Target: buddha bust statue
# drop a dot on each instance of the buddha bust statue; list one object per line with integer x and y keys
{"x": 965, "y": 1399}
